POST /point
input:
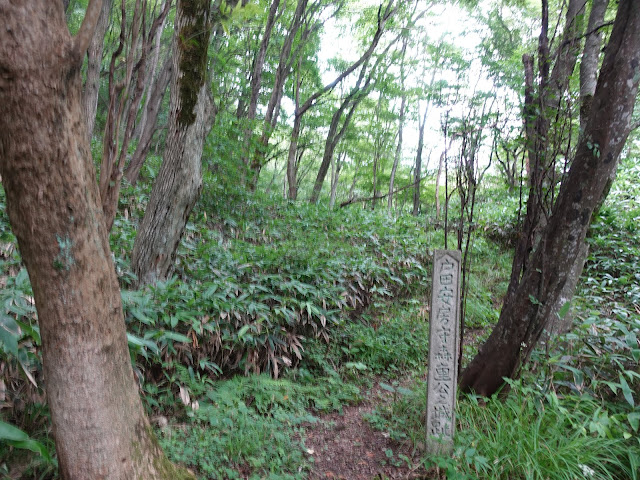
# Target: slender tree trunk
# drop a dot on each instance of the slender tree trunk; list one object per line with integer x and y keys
{"x": 384, "y": 14}
{"x": 150, "y": 86}
{"x": 273, "y": 107}
{"x": 418, "y": 170}
{"x": 336, "y": 166}
{"x": 352, "y": 188}
{"x": 179, "y": 181}
{"x": 256, "y": 83}
{"x": 526, "y": 312}
{"x": 99, "y": 424}
{"x": 403, "y": 104}
{"x": 151, "y": 109}
{"x": 358, "y": 93}
{"x": 94, "y": 55}
{"x": 258, "y": 65}
{"x": 538, "y": 111}
{"x": 378, "y": 144}
{"x": 292, "y": 171}
{"x": 441, "y": 161}
{"x": 396, "y": 158}
{"x": 333, "y": 139}
{"x": 125, "y": 96}
{"x": 376, "y": 163}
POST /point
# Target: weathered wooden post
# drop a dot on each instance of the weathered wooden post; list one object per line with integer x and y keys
{"x": 444, "y": 343}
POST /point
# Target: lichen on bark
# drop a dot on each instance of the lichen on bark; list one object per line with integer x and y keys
{"x": 193, "y": 44}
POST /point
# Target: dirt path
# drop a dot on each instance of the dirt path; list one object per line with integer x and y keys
{"x": 345, "y": 447}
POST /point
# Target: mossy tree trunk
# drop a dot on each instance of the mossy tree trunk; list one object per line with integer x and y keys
{"x": 527, "y": 310}
{"x": 179, "y": 181}
{"x": 99, "y": 424}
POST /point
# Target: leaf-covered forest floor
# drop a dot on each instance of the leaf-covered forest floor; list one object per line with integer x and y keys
{"x": 292, "y": 343}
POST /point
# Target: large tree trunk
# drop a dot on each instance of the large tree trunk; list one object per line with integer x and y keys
{"x": 94, "y": 64}
{"x": 99, "y": 424}
{"x": 591, "y": 58}
{"x": 526, "y": 312}
{"x": 179, "y": 181}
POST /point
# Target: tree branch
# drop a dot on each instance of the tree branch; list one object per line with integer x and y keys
{"x": 88, "y": 27}
{"x": 377, "y": 197}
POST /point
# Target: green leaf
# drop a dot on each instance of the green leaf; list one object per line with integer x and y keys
{"x": 142, "y": 317}
{"x": 9, "y": 334}
{"x": 243, "y": 331}
{"x": 386, "y": 387}
{"x": 564, "y": 309}
{"x": 12, "y": 433}
{"x": 626, "y": 391}
{"x": 357, "y": 365}
{"x": 34, "y": 446}
{"x": 634, "y": 420}
{"x": 534, "y": 300}
{"x": 176, "y": 337}
{"x": 142, "y": 342}
{"x": 404, "y": 391}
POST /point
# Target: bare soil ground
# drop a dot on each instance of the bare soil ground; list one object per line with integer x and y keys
{"x": 345, "y": 447}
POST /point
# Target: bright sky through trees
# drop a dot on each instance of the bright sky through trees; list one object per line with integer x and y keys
{"x": 444, "y": 23}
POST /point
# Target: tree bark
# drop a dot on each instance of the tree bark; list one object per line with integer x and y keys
{"x": 99, "y": 424}
{"x": 526, "y": 313}
{"x": 179, "y": 181}
{"x": 94, "y": 64}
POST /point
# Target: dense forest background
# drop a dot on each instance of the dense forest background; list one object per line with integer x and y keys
{"x": 274, "y": 177}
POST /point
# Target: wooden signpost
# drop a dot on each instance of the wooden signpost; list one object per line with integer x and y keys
{"x": 444, "y": 343}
